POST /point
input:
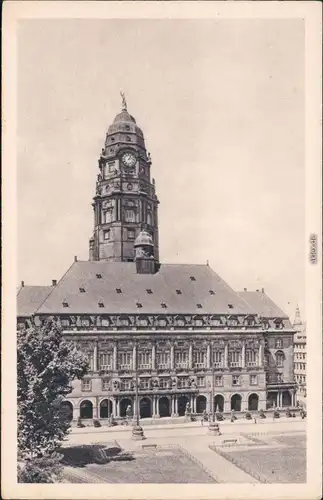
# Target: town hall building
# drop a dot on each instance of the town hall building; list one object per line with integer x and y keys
{"x": 179, "y": 329}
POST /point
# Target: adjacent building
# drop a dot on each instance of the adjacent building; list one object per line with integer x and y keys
{"x": 180, "y": 330}
{"x": 300, "y": 357}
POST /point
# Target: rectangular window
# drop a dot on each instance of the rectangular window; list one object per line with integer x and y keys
{"x": 199, "y": 359}
{"x": 144, "y": 383}
{"x": 234, "y": 358}
{"x": 201, "y": 381}
{"x": 278, "y": 343}
{"x": 130, "y": 215}
{"x": 163, "y": 383}
{"x": 106, "y": 234}
{"x": 181, "y": 359}
{"x": 217, "y": 359}
{"x": 218, "y": 380}
{"x": 105, "y": 362}
{"x": 251, "y": 357}
{"x": 86, "y": 384}
{"x": 126, "y": 384}
{"x": 183, "y": 382}
{"x": 65, "y": 322}
{"x": 144, "y": 359}
{"x": 253, "y": 380}
{"x": 131, "y": 234}
{"x": 163, "y": 359}
{"x": 125, "y": 360}
{"x": 235, "y": 380}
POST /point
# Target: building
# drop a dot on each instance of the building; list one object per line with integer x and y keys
{"x": 300, "y": 357}
{"x": 181, "y": 328}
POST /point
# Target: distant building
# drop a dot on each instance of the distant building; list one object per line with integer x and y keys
{"x": 180, "y": 327}
{"x": 300, "y": 357}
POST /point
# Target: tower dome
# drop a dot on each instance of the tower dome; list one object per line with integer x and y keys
{"x": 144, "y": 239}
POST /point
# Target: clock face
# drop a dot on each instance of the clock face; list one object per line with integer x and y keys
{"x": 129, "y": 159}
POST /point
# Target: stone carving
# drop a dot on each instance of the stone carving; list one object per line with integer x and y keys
{"x": 116, "y": 385}
{"x": 155, "y": 384}
{"x": 174, "y": 383}
{"x": 192, "y": 382}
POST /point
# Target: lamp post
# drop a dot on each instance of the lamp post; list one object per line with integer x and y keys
{"x": 213, "y": 426}
{"x": 137, "y": 430}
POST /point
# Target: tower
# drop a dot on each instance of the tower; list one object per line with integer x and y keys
{"x": 125, "y": 201}
{"x": 297, "y": 320}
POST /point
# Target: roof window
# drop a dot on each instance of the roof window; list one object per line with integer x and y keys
{"x": 230, "y": 306}
{"x": 65, "y": 304}
{"x": 139, "y": 305}
{"x": 99, "y": 276}
{"x": 192, "y": 278}
{"x": 100, "y": 304}
{"x": 164, "y": 306}
{"x": 118, "y": 290}
{"x": 211, "y": 292}
{"x": 149, "y": 291}
{"x": 199, "y": 306}
{"x": 179, "y": 292}
{"x": 82, "y": 290}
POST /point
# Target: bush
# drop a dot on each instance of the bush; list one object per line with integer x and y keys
{"x": 276, "y": 414}
{"x": 219, "y": 416}
{"x": 262, "y": 414}
{"x": 96, "y": 422}
{"x": 248, "y": 415}
{"x": 46, "y": 469}
{"x": 288, "y": 413}
{"x": 79, "y": 423}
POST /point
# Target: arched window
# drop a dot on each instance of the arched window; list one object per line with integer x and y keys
{"x": 280, "y": 358}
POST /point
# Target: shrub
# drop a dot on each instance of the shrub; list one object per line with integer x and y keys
{"x": 79, "y": 423}
{"x": 96, "y": 422}
{"x": 276, "y": 414}
{"x": 262, "y": 414}
{"x": 219, "y": 416}
{"x": 46, "y": 469}
{"x": 248, "y": 415}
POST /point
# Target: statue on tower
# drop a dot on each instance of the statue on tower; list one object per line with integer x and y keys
{"x": 124, "y": 102}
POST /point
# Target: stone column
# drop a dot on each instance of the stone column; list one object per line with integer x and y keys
{"x": 261, "y": 355}
{"x": 134, "y": 353}
{"x": 226, "y": 361}
{"x": 176, "y": 405}
{"x": 172, "y": 405}
{"x": 117, "y": 407}
{"x": 76, "y": 412}
{"x": 114, "y": 407}
{"x": 172, "y": 360}
{"x": 208, "y": 356}
{"x": 156, "y": 407}
{"x": 95, "y": 357}
{"x": 243, "y": 355}
{"x": 190, "y": 356}
{"x": 153, "y": 357}
{"x": 194, "y": 403}
{"x": 115, "y": 358}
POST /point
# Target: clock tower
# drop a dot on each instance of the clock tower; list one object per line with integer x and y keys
{"x": 125, "y": 201}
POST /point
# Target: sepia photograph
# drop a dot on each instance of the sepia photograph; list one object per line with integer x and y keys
{"x": 163, "y": 317}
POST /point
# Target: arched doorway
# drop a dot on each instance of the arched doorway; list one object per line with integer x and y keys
{"x": 286, "y": 398}
{"x": 105, "y": 408}
{"x": 253, "y": 400}
{"x": 67, "y": 410}
{"x": 145, "y": 408}
{"x": 200, "y": 404}
{"x": 236, "y": 402}
{"x": 218, "y": 403}
{"x": 181, "y": 405}
{"x": 124, "y": 403}
{"x": 86, "y": 409}
{"x": 163, "y": 406}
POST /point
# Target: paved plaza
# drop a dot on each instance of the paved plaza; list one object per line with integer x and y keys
{"x": 266, "y": 452}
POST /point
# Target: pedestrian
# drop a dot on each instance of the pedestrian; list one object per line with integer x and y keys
{"x": 202, "y": 420}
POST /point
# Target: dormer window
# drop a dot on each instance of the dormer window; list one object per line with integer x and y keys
{"x": 99, "y": 276}
{"x": 211, "y": 292}
{"x": 192, "y": 278}
{"x": 128, "y": 138}
{"x": 118, "y": 290}
{"x": 64, "y": 303}
{"x": 106, "y": 234}
{"x": 164, "y": 306}
{"x": 139, "y": 305}
{"x": 149, "y": 291}
{"x": 179, "y": 292}
{"x": 82, "y": 290}
{"x": 199, "y": 306}
{"x": 230, "y": 306}
{"x": 100, "y": 304}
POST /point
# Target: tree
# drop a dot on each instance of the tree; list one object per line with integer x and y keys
{"x": 46, "y": 366}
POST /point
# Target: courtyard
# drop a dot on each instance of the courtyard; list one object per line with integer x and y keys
{"x": 271, "y": 452}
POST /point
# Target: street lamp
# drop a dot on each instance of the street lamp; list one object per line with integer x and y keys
{"x": 137, "y": 430}
{"x": 213, "y": 426}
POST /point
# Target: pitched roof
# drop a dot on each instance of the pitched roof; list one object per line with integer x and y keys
{"x": 163, "y": 285}
{"x": 264, "y": 306}
{"x": 29, "y": 298}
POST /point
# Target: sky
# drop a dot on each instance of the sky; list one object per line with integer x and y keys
{"x": 221, "y": 105}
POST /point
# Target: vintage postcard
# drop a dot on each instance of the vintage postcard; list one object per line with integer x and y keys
{"x": 162, "y": 332}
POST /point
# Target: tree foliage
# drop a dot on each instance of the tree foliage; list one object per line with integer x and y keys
{"x": 46, "y": 366}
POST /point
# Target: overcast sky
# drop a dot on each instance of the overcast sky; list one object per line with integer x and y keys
{"x": 221, "y": 104}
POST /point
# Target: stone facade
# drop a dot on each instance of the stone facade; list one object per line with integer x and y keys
{"x": 300, "y": 356}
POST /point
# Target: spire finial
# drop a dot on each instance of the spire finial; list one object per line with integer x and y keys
{"x": 124, "y": 102}
{"x": 297, "y": 320}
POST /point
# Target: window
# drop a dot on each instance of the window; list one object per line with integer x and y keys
{"x": 163, "y": 359}
{"x": 138, "y": 305}
{"x": 101, "y": 304}
{"x": 253, "y": 380}
{"x": 217, "y": 359}
{"x": 118, "y": 290}
{"x": 125, "y": 360}
{"x": 105, "y": 361}
{"x": 107, "y": 216}
{"x": 163, "y": 383}
{"x": 105, "y": 322}
{"x": 126, "y": 384}
{"x": 211, "y": 292}
{"x": 235, "y": 380}
{"x": 179, "y": 292}
{"x": 192, "y": 278}
{"x": 278, "y": 324}
{"x": 218, "y": 380}
{"x": 65, "y": 322}
{"x": 279, "y": 359}
{"x": 144, "y": 359}
{"x": 127, "y": 127}
{"x": 201, "y": 381}
{"x": 278, "y": 343}
{"x": 181, "y": 359}
{"x": 130, "y": 215}
{"x": 142, "y": 321}
{"x": 128, "y": 138}
{"x": 251, "y": 357}
{"x": 131, "y": 234}
{"x": 85, "y": 322}
{"x": 82, "y": 290}
{"x": 86, "y": 384}
{"x": 199, "y": 359}
{"x": 279, "y": 377}
{"x": 99, "y": 276}
{"x": 232, "y": 321}
{"x": 164, "y": 306}
{"x": 234, "y": 358}
{"x": 183, "y": 382}
{"x": 106, "y": 384}
{"x": 65, "y": 304}
{"x": 230, "y": 306}
{"x": 199, "y": 306}
{"x": 149, "y": 291}
{"x": 106, "y": 234}
{"x": 123, "y": 321}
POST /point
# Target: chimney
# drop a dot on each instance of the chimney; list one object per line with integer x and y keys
{"x": 244, "y": 289}
{"x": 75, "y": 258}
{"x": 54, "y": 282}
{"x": 262, "y": 290}
{"x": 22, "y": 283}
{"x": 257, "y": 290}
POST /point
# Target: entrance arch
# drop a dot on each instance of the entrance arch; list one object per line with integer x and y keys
{"x": 181, "y": 405}
{"x": 105, "y": 408}
{"x": 163, "y": 406}
{"x": 124, "y": 403}
{"x": 218, "y": 403}
{"x": 67, "y": 410}
{"x": 236, "y": 402}
{"x": 286, "y": 398}
{"x": 253, "y": 401}
{"x": 86, "y": 409}
{"x": 145, "y": 408}
{"x": 200, "y": 404}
